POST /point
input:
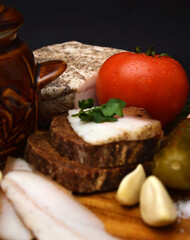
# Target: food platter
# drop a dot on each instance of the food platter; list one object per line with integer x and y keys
{"x": 32, "y": 188}
{"x": 126, "y": 223}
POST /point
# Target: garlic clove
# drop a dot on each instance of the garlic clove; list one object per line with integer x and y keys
{"x": 156, "y": 206}
{"x": 128, "y": 192}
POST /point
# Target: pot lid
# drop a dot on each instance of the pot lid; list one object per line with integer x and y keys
{"x": 10, "y": 18}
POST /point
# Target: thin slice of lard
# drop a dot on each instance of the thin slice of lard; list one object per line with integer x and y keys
{"x": 127, "y": 128}
{"x": 11, "y": 226}
{"x": 49, "y": 210}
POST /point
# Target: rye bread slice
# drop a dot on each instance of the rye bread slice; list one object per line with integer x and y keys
{"x": 114, "y": 154}
{"x": 72, "y": 175}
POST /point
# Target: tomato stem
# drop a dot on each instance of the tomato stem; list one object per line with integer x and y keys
{"x": 151, "y": 51}
{"x": 164, "y": 55}
{"x": 137, "y": 49}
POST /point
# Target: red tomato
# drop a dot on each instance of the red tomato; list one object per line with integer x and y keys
{"x": 158, "y": 84}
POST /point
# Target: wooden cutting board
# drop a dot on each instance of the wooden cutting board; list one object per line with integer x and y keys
{"x": 126, "y": 223}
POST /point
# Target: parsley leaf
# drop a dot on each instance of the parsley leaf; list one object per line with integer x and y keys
{"x": 104, "y": 113}
{"x": 113, "y": 106}
{"x": 83, "y": 104}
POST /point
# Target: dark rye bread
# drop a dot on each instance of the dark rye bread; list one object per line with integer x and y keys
{"x": 71, "y": 174}
{"x": 114, "y": 154}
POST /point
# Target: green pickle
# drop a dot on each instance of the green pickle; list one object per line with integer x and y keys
{"x": 172, "y": 163}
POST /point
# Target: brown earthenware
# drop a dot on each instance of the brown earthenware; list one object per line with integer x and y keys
{"x": 20, "y": 81}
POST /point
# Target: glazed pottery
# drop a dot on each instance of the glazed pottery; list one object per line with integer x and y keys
{"x": 21, "y": 79}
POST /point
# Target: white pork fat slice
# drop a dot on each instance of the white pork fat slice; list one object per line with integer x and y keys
{"x": 49, "y": 210}
{"x": 11, "y": 227}
{"x": 127, "y": 128}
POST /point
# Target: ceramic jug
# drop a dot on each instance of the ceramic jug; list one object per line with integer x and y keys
{"x": 20, "y": 82}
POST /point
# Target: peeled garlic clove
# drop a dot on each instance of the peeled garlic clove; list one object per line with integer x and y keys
{"x": 156, "y": 207}
{"x": 128, "y": 192}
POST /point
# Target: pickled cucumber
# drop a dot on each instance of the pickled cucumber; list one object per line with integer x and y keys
{"x": 172, "y": 163}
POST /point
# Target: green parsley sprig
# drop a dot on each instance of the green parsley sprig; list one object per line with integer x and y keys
{"x": 103, "y": 113}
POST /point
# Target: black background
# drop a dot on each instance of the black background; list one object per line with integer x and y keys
{"x": 116, "y": 23}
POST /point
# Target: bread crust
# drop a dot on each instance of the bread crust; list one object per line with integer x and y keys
{"x": 72, "y": 175}
{"x": 114, "y": 154}
{"x": 81, "y": 167}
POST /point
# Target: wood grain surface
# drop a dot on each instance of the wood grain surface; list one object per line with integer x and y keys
{"x": 126, "y": 223}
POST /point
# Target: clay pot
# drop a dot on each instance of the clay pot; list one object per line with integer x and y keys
{"x": 20, "y": 82}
